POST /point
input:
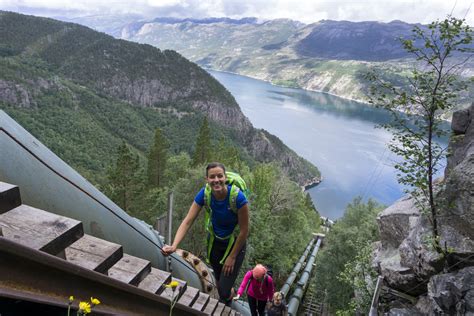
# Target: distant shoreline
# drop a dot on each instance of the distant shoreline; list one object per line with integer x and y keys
{"x": 276, "y": 85}
{"x": 318, "y": 91}
{"x": 311, "y": 183}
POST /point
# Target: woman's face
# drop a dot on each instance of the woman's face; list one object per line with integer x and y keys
{"x": 216, "y": 179}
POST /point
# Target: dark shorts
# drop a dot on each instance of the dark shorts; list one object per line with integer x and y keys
{"x": 225, "y": 282}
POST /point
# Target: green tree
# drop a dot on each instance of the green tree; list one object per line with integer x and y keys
{"x": 228, "y": 154}
{"x": 344, "y": 243}
{"x": 433, "y": 87}
{"x": 157, "y": 159}
{"x": 124, "y": 178}
{"x": 202, "y": 150}
{"x": 281, "y": 222}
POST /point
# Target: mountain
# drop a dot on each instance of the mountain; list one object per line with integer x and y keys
{"x": 343, "y": 40}
{"x": 81, "y": 92}
{"x": 327, "y": 56}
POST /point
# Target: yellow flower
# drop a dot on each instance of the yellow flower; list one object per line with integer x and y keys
{"x": 95, "y": 301}
{"x": 71, "y": 299}
{"x": 85, "y": 307}
{"x": 173, "y": 285}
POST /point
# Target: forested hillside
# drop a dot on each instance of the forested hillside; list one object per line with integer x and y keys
{"x": 58, "y": 75}
{"x": 141, "y": 123}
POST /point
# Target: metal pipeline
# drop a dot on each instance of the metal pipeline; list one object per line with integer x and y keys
{"x": 48, "y": 183}
{"x": 302, "y": 284}
{"x": 291, "y": 278}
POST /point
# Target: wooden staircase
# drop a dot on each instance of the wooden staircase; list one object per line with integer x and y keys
{"x": 46, "y": 258}
{"x": 312, "y": 305}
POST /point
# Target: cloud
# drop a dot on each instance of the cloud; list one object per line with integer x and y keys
{"x": 308, "y": 11}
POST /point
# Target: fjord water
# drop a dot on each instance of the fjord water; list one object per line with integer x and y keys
{"x": 335, "y": 134}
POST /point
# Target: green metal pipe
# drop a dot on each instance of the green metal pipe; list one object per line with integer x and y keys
{"x": 302, "y": 284}
{"x": 294, "y": 273}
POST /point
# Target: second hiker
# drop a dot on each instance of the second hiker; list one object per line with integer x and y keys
{"x": 259, "y": 287}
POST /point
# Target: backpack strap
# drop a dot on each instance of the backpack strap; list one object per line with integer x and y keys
{"x": 208, "y": 222}
{"x": 234, "y": 192}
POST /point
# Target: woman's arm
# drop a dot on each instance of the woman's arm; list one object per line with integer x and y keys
{"x": 244, "y": 283}
{"x": 183, "y": 229}
{"x": 243, "y": 220}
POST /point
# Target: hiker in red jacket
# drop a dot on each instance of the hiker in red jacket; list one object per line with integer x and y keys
{"x": 259, "y": 287}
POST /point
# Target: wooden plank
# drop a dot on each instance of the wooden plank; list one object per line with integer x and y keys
{"x": 189, "y": 296}
{"x": 94, "y": 253}
{"x": 211, "y": 306}
{"x": 227, "y": 311}
{"x": 219, "y": 309}
{"x": 154, "y": 281}
{"x": 130, "y": 269}
{"x": 170, "y": 294}
{"x": 39, "y": 229}
{"x": 201, "y": 301}
{"x": 9, "y": 197}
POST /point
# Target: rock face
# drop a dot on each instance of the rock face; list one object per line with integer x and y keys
{"x": 454, "y": 292}
{"x": 442, "y": 284}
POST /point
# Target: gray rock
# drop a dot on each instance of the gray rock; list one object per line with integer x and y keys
{"x": 394, "y": 221}
{"x": 387, "y": 261}
{"x": 460, "y": 121}
{"x": 454, "y": 292}
{"x": 404, "y": 312}
{"x": 417, "y": 251}
{"x": 460, "y": 146}
{"x": 405, "y": 256}
{"x": 456, "y": 214}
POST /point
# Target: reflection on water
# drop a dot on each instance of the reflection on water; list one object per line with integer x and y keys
{"x": 335, "y": 134}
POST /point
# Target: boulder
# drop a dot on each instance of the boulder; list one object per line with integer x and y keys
{"x": 456, "y": 215}
{"x": 417, "y": 250}
{"x": 460, "y": 144}
{"x": 387, "y": 262}
{"x": 395, "y": 221}
{"x": 460, "y": 121}
{"x": 454, "y": 292}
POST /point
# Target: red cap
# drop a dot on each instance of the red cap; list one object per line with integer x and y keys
{"x": 259, "y": 271}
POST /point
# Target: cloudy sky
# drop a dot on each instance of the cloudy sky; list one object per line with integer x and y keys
{"x": 422, "y": 11}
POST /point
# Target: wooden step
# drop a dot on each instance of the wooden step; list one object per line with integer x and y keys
{"x": 201, "y": 302}
{"x": 171, "y": 294}
{"x": 94, "y": 254}
{"x": 211, "y": 306}
{"x": 155, "y": 280}
{"x": 40, "y": 230}
{"x": 219, "y": 309}
{"x": 227, "y": 311}
{"x": 9, "y": 197}
{"x": 189, "y": 296}
{"x": 130, "y": 269}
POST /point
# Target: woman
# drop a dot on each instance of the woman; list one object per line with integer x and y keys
{"x": 225, "y": 252}
{"x": 260, "y": 289}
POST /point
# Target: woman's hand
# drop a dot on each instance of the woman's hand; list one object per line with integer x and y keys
{"x": 167, "y": 250}
{"x": 235, "y": 298}
{"x": 228, "y": 267}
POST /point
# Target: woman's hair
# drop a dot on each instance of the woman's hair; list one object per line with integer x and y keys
{"x": 214, "y": 165}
